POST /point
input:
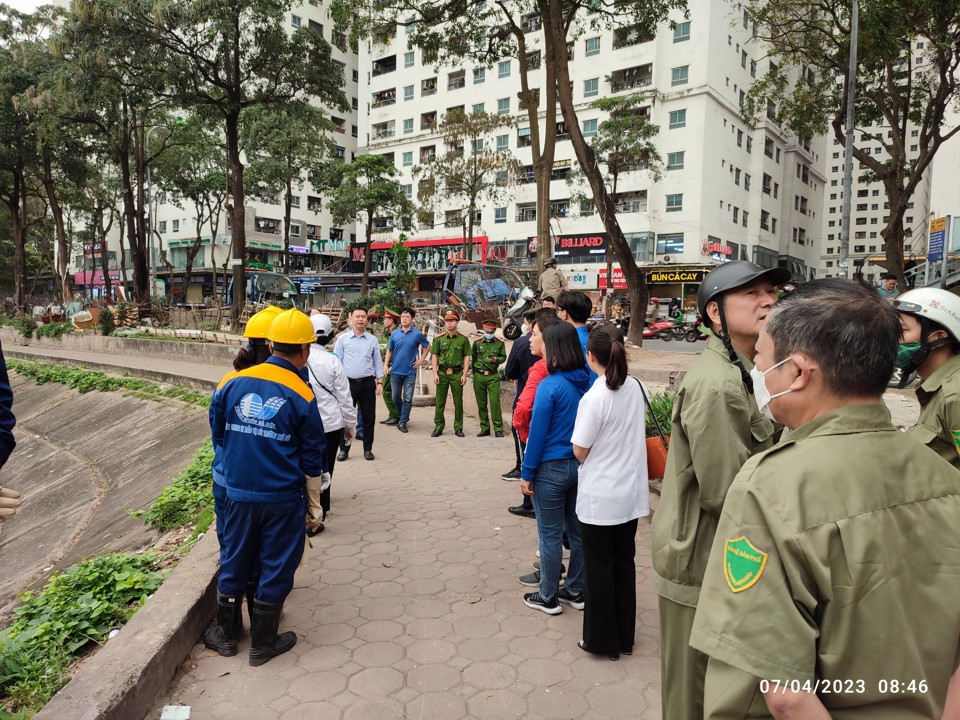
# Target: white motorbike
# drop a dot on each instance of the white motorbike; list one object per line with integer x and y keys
{"x": 513, "y": 319}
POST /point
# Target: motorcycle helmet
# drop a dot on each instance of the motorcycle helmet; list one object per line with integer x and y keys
{"x": 939, "y": 307}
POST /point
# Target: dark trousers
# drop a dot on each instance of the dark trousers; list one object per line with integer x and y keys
{"x": 364, "y": 394}
{"x": 610, "y": 610}
{"x": 334, "y": 438}
{"x": 258, "y": 535}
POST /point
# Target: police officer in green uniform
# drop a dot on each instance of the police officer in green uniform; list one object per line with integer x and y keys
{"x": 716, "y": 427}
{"x": 451, "y": 362}
{"x": 929, "y": 344}
{"x": 488, "y": 352}
{"x": 390, "y": 319}
{"x": 832, "y": 585}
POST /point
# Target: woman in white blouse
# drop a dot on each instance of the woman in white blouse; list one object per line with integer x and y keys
{"x": 332, "y": 390}
{"x": 609, "y": 440}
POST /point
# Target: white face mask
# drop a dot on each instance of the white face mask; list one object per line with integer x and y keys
{"x": 760, "y": 391}
{"x": 524, "y": 329}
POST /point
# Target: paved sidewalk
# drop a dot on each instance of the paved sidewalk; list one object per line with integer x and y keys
{"x": 409, "y": 606}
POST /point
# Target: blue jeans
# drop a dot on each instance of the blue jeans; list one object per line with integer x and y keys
{"x": 555, "y": 502}
{"x": 402, "y": 386}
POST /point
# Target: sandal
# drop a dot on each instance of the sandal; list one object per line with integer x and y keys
{"x": 614, "y": 656}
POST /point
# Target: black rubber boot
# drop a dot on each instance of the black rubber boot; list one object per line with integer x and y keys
{"x": 223, "y": 638}
{"x": 265, "y": 643}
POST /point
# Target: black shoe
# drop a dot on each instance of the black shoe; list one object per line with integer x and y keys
{"x": 437, "y": 432}
{"x": 498, "y": 433}
{"x": 458, "y": 433}
{"x": 483, "y": 433}
{"x": 343, "y": 454}
{"x": 367, "y": 455}
{"x": 533, "y": 579}
{"x": 223, "y": 638}
{"x": 521, "y": 511}
{"x": 575, "y": 601}
{"x": 315, "y": 531}
{"x": 512, "y": 475}
{"x": 402, "y": 427}
{"x": 265, "y": 643}
{"x": 390, "y": 421}
{"x": 535, "y": 600}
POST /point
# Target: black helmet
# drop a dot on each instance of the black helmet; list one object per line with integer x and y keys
{"x": 550, "y": 261}
{"x": 733, "y": 275}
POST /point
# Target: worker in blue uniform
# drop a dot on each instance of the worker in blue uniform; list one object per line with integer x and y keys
{"x": 270, "y": 441}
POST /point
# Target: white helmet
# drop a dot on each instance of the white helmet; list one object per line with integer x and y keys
{"x": 937, "y": 306}
{"x": 321, "y": 324}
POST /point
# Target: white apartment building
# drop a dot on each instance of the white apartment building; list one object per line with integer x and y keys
{"x": 316, "y": 243}
{"x": 728, "y": 192}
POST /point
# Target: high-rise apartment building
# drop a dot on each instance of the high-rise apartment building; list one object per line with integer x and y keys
{"x": 728, "y": 190}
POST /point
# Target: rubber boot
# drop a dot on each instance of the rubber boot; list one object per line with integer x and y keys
{"x": 251, "y": 594}
{"x": 265, "y": 643}
{"x": 223, "y": 638}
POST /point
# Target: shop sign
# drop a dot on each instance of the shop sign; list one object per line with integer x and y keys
{"x": 663, "y": 277}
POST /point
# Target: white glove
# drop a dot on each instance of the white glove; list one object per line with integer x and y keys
{"x": 9, "y": 503}
{"x": 349, "y": 433}
{"x": 324, "y": 481}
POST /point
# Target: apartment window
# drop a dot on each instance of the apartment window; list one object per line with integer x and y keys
{"x": 408, "y": 125}
{"x": 354, "y": 130}
{"x": 503, "y": 69}
{"x": 408, "y": 92}
{"x": 176, "y": 226}
{"x": 295, "y": 20}
{"x": 679, "y": 75}
{"x": 675, "y": 160}
{"x": 591, "y": 88}
{"x": 749, "y": 144}
{"x": 589, "y": 128}
{"x": 736, "y": 215}
{"x": 678, "y": 119}
{"x": 479, "y": 75}
{"x": 162, "y": 226}
{"x": 408, "y": 59}
{"x": 503, "y": 143}
{"x": 675, "y": 202}
{"x": 478, "y": 145}
{"x": 739, "y": 138}
{"x": 356, "y": 75}
{"x": 503, "y": 106}
{"x": 478, "y": 108}
{"x": 354, "y": 103}
{"x": 745, "y": 216}
{"x": 500, "y": 215}
{"x": 295, "y": 201}
{"x": 746, "y": 181}
{"x": 681, "y": 32}
{"x": 408, "y": 159}
{"x": 407, "y": 191}
{"x": 593, "y": 46}
{"x": 670, "y": 244}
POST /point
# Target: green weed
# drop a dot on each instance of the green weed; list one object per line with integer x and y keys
{"x": 188, "y": 500}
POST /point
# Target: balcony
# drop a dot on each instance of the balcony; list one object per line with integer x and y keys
{"x": 532, "y": 61}
{"x": 531, "y": 23}
{"x": 631, "y": 206}
{"x": 456, "y": 80}
{"x": 559, "y": 208}
{"x": 384, "y": 98}
{"x": 631, "y": 78}
{"x": 523, "y": 137}
{"x": 526, "y": 175}
{"x": 634, "y": 35}
{"x": 384, "y": 65}
{"x": 428, "y": 87}
{"x": 428, "y": 121}
{"x": 526, "y": 213}
{"x": 384, "y": 130}
{"x": 314, "y": 203}
{"x": 270, "y": 226}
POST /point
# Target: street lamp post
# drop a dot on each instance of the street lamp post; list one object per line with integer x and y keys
{"x": 146, "y": 149}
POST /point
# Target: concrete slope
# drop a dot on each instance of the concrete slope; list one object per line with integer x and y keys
{"x": 81, "y": 462}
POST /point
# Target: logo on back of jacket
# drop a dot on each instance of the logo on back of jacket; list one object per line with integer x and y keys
{"x": 255, "y": 414}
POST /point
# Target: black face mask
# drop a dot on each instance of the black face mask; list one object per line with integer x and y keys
{"x": 921, "y": 355}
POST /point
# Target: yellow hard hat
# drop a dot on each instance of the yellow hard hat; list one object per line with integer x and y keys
{"x": 292, "y": 327}
{"x": 258, "y": 326}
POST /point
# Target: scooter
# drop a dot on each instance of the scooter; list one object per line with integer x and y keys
{"x": 693, "y": 332}
{"x": 659, "y": 330}
{"x": 513, "y": 319}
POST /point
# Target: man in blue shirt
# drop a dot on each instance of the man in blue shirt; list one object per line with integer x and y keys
{"x": 269, "y": 438}
{"x": 405, "y": 353}
{"x": 575, "y": 308}
{"x": 9, "y": 498}
{"x": 359, "y": 351}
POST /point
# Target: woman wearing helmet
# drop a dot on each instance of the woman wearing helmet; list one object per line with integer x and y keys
{"x": 716, "y": 427}
{"x": 930, "y": 322}
{"x": 255, "y": 350}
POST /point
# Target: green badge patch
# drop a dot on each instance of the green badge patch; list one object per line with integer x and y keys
{"x": 956, "y": 439}
{"x": 743, "y": 564}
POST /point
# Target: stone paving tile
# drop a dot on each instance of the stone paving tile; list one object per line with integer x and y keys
{"x": 409, "y": 607}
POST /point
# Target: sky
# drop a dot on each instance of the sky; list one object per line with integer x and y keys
{"x": 26, "y": 5}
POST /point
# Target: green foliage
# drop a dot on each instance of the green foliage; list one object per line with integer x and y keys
{"x": 661, "y": 405}
{"x": 75, "y": 610}
{"x": 24, "y": 325}
{"x": 87, "y": 380}
{"x": 188, "y": 500}
{"x": 364, "y": 189}
{"x": 54, "y": 330}
{"x": 107, "y": 322}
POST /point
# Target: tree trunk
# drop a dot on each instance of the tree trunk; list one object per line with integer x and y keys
{"x": 14, "y": 202}
{"x": 286, "y": 227}
{"x": 635, "y": 276}
{"x": 367, "y": 254}
{"x": 238, "y": 231}
{"x": 130, "y": 220}
{"x": 60, "y": 271}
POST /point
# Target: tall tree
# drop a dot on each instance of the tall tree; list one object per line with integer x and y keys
{"x": 624, "y": 144}
{"x": 361, "y": 191}
{"x": 906, "y": 81}
{"x": 285, "y": 146}
{"x": 224, "y": 57}
{"x": 471, "y": 172}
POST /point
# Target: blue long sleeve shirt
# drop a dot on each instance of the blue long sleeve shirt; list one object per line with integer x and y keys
{"x": 584, "y": 332}
{"x": 267, "y": 433}
{"x": 7, "y": 419}
{"x": 554, "y": 414}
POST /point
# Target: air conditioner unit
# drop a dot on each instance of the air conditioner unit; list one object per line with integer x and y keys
{"x": 308, "y": 270}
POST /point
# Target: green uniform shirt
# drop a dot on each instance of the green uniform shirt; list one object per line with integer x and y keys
{"x": 938, "y": 426}
{"x": 716, "y": 427}
{"x": 450, "y": 351}
{"x": 482, "y": 348}
{"x": 837, "y": 558}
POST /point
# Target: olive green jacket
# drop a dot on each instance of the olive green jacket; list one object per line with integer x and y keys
{"x": 837, "y": 558}
{"x": 938, "y": 426}
{"x": 716, "y": 428}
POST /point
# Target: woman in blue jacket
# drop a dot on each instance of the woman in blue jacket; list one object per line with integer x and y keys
{"x": 549, "y": 471}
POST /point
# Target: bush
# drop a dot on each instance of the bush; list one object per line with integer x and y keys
{"x": 54, "y": 330}
{"x": 74, "y": 610}
{"x": 24, "y": 325}
{"x": 661, "y": 405}
{"x": 107, "y": 322}
{"x": 188, "y": 500}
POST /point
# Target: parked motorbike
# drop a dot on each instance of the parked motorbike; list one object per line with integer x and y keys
{"x": 659, "y": 330}
{"x": 693, "y": 332}
{"x": 513, "y": 319}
